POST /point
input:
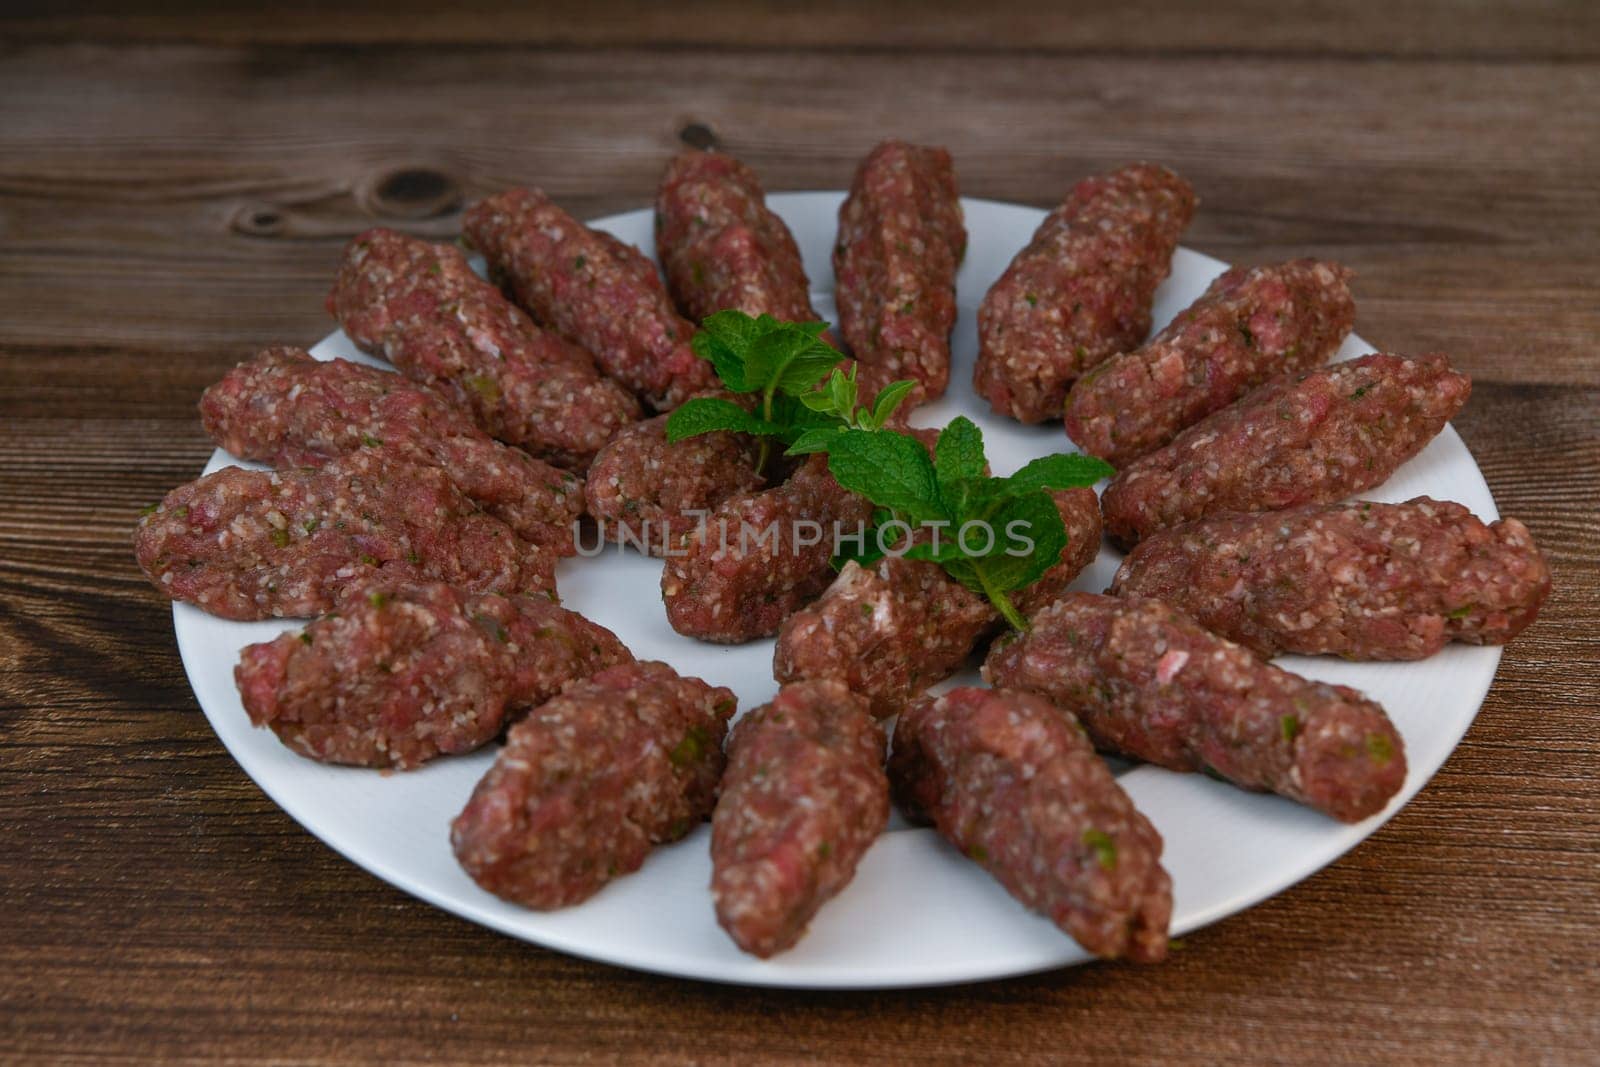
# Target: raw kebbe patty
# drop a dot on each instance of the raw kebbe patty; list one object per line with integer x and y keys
{"x": 1012, "y": 782}
{"x": 1363, "y": 580}
{"x": 591, "y": 781}
{"x": 804, "y": 796}
{"x": 404, "y": 672}
{"x": 1305, "y": 437}
{"x": 421, "y": 306}
{"x": 1081, "y": 291}
{"x": 1147, "y": 681}
{"x": 286, "y": 408}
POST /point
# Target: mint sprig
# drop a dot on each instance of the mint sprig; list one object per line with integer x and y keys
{"x": 784, "y": 363}
{"x": 1014, "y": 533}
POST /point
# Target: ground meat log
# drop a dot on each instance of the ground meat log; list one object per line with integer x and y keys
{"x": 1081, "y": 291}
{"x": 590, "y": 781}
{"x": 420, "y": 306}
{"x": 721, "y": 247}
{"x": 1149, "y": 682}
{"x": 887, "y": 631}
{"x": 1305, "y": 437}
{"x": 285, "y": 408}
{"x": 1251, "y": 324}
{"x": 901, "y": 239}
{"x": 1364, "y": 581}
{"x": 651, "y": 491}
{"x": 593, "y": 289}
{"x": 892, "y": 629}
{"x": 760, "y": 557}
{"x": 246, "y": 544}
{"x": 404, "y": 672}
{"x": 804, "y": 796}
{"x": 1012, "y": 782}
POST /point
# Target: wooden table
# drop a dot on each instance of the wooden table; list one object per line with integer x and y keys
{"x": 174, "y": 192}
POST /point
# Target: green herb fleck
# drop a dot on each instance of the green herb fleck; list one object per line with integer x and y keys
{"x": 696, "y": 742}
{"x": 1105, "y": 849}
{"x": 371, "y": 561}
{"x": 1032, "y": 300}
{"x": 580, "y": 262}
{"x": 1290, "y": 726}
{"x": 977, "y": 854}
{"x": 824, "y": 850}
{"x": 377, "y": 598}
{"x": 305, "y": 637}
{"x": 1380, "y": 749}
{"x": 491, "y": 626}
{"x": 311, "y": 525}
{"x": 370, "y": 441}
{"x": 485, "y": 386}
{"x": 280, "y": 538}
{"x": 1462, "y": 612}
{"x": 149, "y": 509}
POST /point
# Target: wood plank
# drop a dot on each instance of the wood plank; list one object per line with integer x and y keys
{"x": 163, "y": 193}
{"x": 1418, "y": 28}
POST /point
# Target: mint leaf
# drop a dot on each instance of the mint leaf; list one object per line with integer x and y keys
{"x": 958, "y": 454}
{"x": 947, "y": 551}
{"x": 708, "y": 414}
{"x": 818, "y": 400}
{"x": 820, "y": 439}
{"x": 888, "y": 468}
{"x": 842, "y": 392}
{"x": 889, "y": 400}
{"x": 726, "y": 359}
{"x": 787, "y": 358}
{"x": 1022, "y": 520}
{"x": 1064, "y": 470}
{"x": 736, "y": 329}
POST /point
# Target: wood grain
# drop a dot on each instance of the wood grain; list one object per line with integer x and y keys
{"x": 1414, "y": 28}
{"x": 173, "y": 193}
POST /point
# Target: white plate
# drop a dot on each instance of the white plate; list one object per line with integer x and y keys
{"x": 917, "y": 913}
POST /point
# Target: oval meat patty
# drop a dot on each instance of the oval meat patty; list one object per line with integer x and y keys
{"x": 1012, "y": 782}
{"x": 247, "y": 544}
{"x": 721, "y": 247}
{"x": 804, "y": 796}
{"x": 1364, "y": 581}
{"x": 1081, "y": 291}
{"x": 652, "y": 492}
{"x": 404, "y": 672}
{"x": 900, "y": 241}
{"x": 1250, "y": 324}
{"x": 286, "y": 408}
{"x": 594, "y": 290}
{"x": 1306, "y": 437}
{"x": 760, "y": 557}
{"x": 1149, "y": 682}
{"x": 421, "y": 306}
{"x": 898, "y": 626}
{"x": 591, "y": 781}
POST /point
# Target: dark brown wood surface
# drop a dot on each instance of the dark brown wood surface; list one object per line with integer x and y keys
{"x": 174, "y": 190}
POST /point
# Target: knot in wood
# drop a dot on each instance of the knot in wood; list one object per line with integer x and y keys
{"x": 412, "y": 193}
